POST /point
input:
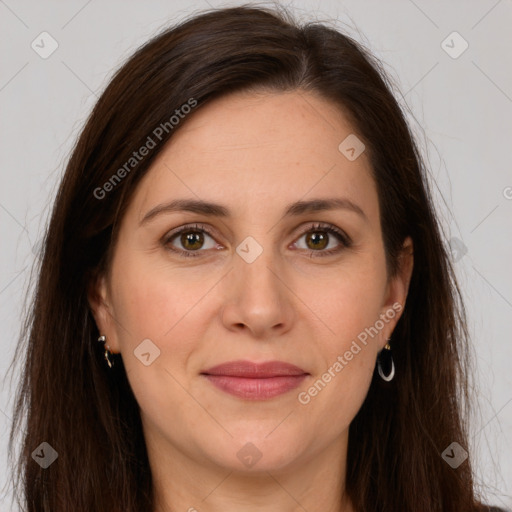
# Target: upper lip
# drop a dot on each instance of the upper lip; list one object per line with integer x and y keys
{"x": 250, "y": 369}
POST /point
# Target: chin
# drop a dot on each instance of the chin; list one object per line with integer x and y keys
{"x": 253, "y": 453}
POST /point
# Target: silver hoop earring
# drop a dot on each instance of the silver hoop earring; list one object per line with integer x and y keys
{"x": 386, "y": 357}
{"x": 110, "y": 363}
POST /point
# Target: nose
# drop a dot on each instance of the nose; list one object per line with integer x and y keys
{"x": 258, "y": 298}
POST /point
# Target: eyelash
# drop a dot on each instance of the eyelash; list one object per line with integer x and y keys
{"x": 328, "y": 228}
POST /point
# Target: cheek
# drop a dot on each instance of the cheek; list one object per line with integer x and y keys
{"x": 350, "y": 353}
{"x": 151, "y": 302}
{"x": 350, "y": 310}
{"x": 350, "y": 300}
{"x": 338, "y": 390}
{"x": 166, "y": 306}
{"x": 164, "y": 310}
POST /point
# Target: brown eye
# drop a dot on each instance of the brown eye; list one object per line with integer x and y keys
{"x": 317, "y": 239}
{"x": 189, "y": 240}
{"x": 192, "y": 240}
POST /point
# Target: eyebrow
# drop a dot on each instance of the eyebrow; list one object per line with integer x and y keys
{"x": 218, "y": 210}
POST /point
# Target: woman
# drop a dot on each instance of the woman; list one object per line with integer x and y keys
{"x": 244, "y": 300}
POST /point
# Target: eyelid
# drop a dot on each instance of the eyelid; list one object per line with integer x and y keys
{"x": 344, "y": 239}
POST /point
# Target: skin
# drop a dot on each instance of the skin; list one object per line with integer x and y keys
{"x": 254, "y": 154}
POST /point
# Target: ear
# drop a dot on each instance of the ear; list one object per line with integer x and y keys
{"x": 397, "y": 289}
{"x": 99, "y": 302}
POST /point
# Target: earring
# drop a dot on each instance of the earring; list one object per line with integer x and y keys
{"x": 386, "y": 357}
{"x": 110, "y": 363}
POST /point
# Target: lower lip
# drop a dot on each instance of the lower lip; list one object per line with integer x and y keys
{"x": 256, "y": 389}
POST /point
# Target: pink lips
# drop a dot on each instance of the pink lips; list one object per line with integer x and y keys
{"x": 255, "y": 381}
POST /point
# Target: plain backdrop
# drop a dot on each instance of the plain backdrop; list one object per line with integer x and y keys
{"x": 459, "y": 102}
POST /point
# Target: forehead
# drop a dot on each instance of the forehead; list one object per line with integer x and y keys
{"x": 259, "y": 152}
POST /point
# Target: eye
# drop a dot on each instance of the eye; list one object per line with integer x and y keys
{"x": 191, "y": 239}
{"x": 318, "y": 237}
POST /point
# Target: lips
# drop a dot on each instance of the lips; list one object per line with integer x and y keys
{"x": 255, "y": 381}
{"x": 249, "y": 369}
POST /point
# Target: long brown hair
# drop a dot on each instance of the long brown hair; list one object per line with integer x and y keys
{"x": 67, "y": 396}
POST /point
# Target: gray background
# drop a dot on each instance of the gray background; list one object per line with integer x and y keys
{"x": 460, "y": 109}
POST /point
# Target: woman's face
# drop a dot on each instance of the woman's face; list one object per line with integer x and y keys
{"x": 266, "y": 282}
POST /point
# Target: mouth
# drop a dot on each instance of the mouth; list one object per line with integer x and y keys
{"x": 255, "y": 381}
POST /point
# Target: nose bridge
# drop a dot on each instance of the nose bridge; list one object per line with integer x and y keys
{"x": 257, "y": 293}
{"x": 256, "y": 266}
